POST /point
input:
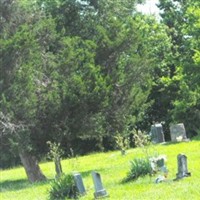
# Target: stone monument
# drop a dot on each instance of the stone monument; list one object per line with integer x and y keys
{"x": 157, "y": 134}
{"x": 79, "y": 184}
{"x": 99, "y": 189}
{"x": 178, "y": 133}
{"x": 182, "y": 167}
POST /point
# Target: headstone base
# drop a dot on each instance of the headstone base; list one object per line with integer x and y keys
{"x": 101, "y": 193}
{"x": 186, "y": 140}
{"x": 181, "y": 175}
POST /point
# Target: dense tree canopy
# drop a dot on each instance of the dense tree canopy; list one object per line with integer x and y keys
{"x": 182, "y": 19}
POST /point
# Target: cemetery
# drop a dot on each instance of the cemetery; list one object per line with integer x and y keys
{"x": 99, "y": 99}
{"x": 100, "y": 175}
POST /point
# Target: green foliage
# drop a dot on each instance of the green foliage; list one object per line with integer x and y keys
{"x": 98, "y": 64}
{"x": 55, "y": 151}
{"x": 8, "y": 158}
{"x": 139, "y": 167}
{"x": 123, "y": 143}
{"x": 141, "y": 139}
{"x": 176, "y": 75}
{"x": 185, "y": 42}
{"x": 21, "y": 76}
{"x": 62, "y": 188}
{"x": 70, "y": 73}
{"x": 103, "y": 68}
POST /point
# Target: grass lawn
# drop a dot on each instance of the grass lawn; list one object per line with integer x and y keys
{"x": 113, "y": 168}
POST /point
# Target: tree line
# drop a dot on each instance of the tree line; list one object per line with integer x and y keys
{"x": 81, "y": 72}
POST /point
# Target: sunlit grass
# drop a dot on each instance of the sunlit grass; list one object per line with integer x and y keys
{"x": 113, "y": 168}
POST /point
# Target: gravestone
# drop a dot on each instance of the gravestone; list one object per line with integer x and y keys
{"x": 79, "y": 184}
{"x": 160, "y": 162}
{"x": 157, "y": 134}
{"x": 161, "y": 166}
{"x": 99, "y": 189}
{"x": 158, "y": 165}
{"x": 178, "y": 133}
{"x": 182, "y": 167}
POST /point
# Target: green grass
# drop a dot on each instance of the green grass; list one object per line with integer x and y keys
{"x": 113, "y": 168}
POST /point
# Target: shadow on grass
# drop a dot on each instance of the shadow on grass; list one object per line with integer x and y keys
{"x": 14, "y": 185}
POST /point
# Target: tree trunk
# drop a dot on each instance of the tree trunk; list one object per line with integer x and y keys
{"x": 58, "y": 167}
{"x": 32, "y": 168}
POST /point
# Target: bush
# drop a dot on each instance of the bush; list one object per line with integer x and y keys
{"x": 62, "y": 188}
{"x": 122, "y": 143}
{"x": 141, "y": 139}
{"x": 139, "y": 168}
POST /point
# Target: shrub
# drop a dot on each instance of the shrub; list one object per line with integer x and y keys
{"x": 141, "y": 139}
{"x": 55, "y": 153}
{"x": 122, "y": 143}
{"x": 139, "y": 168}
{"x": 62, "y": 188}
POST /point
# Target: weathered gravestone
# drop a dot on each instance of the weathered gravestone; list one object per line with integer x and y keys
{"x": 99, "y": 189}
{"x": 160, "y": 162}
{"x": 157, "y": 163}
{"x": 161, "y": 166}
{"x": 178, "y": 133}
{"x": 157, "y": 134}
{"x": 79, "y": 184}
{"x": 182, "y": 167}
